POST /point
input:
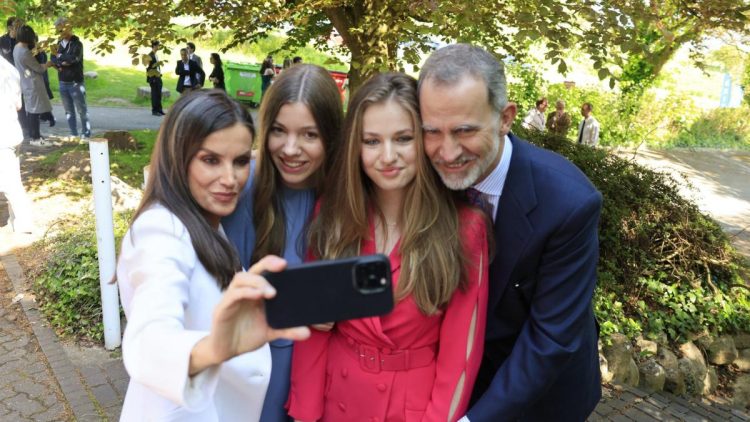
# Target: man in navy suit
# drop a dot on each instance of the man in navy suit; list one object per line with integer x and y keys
{"x": 540, "y": 359}
{"x": 191, "y": 75}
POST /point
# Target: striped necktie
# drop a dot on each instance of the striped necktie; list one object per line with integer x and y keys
{"x": 477, "y": 199}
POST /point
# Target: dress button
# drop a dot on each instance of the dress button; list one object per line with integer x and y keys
{"x": 350, "y": 341}
{"x": 344, "y": 372}
{"x": 382, "y": 387}
{"x": 342, "y": 406}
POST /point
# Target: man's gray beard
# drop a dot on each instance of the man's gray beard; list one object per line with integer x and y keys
{"x": 474, "y": 173}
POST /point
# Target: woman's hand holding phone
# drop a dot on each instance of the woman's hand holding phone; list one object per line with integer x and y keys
{"x": 328, "y": 326}
{"x": 239, "y": 321}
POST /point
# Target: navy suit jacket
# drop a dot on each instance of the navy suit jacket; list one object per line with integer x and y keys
{"x": 541, "y": 361}
{"x": 197, "y": 75}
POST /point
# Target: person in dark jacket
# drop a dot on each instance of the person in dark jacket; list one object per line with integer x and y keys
{"x": 217, "y": 75}
{"x": 153, "y": 77}
{"x": 69, "y": 61}
{"x": 190, "y": 74}
{"x": 8, "y": 41}
{"x": 41, "y": 57}
{"x": 267, "y": 72}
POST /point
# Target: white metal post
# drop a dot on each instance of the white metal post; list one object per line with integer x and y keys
{"x": 105, "y": 241}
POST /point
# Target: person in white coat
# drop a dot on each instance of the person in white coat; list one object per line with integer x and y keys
{"x": 10, "y": 169}
{"x": 195, "y": 345}
{"x": 588, "y": 130}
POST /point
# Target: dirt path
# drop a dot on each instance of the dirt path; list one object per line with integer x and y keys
{"x": 720, "y": 184}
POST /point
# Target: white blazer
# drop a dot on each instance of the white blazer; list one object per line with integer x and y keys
{"x": 590, "y": 131}
{"x": 168, "y": 299}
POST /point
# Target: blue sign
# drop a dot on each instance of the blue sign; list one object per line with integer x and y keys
{"x": 726, "y": 91}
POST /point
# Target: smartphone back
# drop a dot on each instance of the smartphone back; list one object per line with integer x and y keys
{"x": 330, "y": 291}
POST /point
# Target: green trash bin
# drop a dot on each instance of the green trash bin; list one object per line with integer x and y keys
{"x": 243, "y": 82}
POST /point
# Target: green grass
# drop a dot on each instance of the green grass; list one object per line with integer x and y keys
{"x": 128, "y": 165}
{"x": 125, "y": 165}
{"x": 117, "y": 86}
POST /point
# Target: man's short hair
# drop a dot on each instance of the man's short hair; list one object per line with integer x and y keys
{"x": 297, "y": 59}
{"x": 155, "y": 43}
{"x": 588, "y": 106}
{"x": 450, "y": 64}
{"x": 560, "y": 103}
{"x": 540, "y": 101}
{"x": 11, "y": 22}
{"x": 191, "y": 46}
{"x": 61, "y": 21}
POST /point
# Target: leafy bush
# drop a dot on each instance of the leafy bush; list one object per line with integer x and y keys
{"x": 719, "y": 128}
{"x": 664, "y": 267}
{"x": 67, "y": 287}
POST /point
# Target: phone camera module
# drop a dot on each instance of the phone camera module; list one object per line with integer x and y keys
{"x": 371, "y": 278}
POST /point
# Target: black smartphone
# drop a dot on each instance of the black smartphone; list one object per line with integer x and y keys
{"x": 330, "y": 291}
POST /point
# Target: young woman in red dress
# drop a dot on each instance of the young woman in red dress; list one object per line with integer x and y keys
{"x": 419, "y": 362}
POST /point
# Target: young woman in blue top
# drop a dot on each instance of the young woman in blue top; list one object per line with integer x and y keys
{"x": 300, "y": 121}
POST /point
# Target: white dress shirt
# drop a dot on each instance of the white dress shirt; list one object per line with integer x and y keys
{"x": 492, "y": 185}
{"x": 588, "y": 131}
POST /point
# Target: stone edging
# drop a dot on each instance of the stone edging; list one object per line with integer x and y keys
{"x": 67, "y": 376}
{"x": 691, "y": 370}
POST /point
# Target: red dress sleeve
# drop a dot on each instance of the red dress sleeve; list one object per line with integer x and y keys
{"x": 462, "y": 330}
{"x": 308, "y": 379}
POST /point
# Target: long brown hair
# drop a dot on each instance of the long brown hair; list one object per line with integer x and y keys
{"x": 432, "y": 258}
{"x": 190, "y": 121}
{"x": 314, "y": 87}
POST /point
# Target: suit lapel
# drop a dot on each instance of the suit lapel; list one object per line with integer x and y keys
{"x": 512, "y": 227}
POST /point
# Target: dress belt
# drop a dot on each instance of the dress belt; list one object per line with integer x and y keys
{"x": 371, "y": 359}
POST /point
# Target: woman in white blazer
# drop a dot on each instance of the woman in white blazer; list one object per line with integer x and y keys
{"x": 195, "y": 344}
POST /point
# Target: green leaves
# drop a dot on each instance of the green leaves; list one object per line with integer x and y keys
{"x": 664, "y": 268}
{"x": 610, "y": 32}
{"x": 68, "y": 287}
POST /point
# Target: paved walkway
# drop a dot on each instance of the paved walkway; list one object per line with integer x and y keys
{"x": 105, "y": 118}
{"x": 28, "y": 389}
{"x": 110, "y": 118}
{"x": 717, "y": 183}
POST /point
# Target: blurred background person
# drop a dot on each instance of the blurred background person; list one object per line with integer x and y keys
{"x": 41, "y": 56}
{"x": 32, "y": 83}
{"x": 535, "y": 118}
{"x": 267, "y": 72}
{"x": 190, "y": 74}
{"x": 558, "y": 121}
{"x": 217, "y": 74}
{"x": 153, "y": 77}
{"x": 588, "y": 131}
{"x": 69, "y": 61}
